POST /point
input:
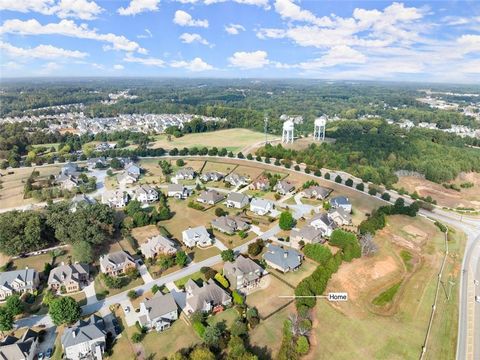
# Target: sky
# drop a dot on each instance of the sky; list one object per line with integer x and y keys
{"x": 423, "y": 41}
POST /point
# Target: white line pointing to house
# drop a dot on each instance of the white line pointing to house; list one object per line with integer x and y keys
{"x": 333, "y": 296}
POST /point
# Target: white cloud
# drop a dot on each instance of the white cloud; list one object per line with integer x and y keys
{"x": 40, "y": 52}
{"x": 139, "y": 6}
{"x": 145, "y": 36}
{"x": 249, "y": 60}
{"x": 81, "y": 9}
{"x": 195, "y": 65}
{"x": 337, "y": 55}
{"x": 97, "y": 66}
{"x": 183, "y": 18}
{"x": 234, "y": 29}
{"x": 70, "y": 29}
{"x": 150, "y": 61}
{"x": 287, "y": 9}
{"x": 261, "y": 3}
{"x": 118, "y": 67}
{"x": 189, "y": 38}
{"x": 49, "y": 68}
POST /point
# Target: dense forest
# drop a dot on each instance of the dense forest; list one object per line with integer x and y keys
{"x": 374, "y": 150}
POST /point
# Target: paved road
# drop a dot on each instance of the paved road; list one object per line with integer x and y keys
{"x": 469, "y": 315}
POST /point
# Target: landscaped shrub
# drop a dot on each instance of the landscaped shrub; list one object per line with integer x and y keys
{"x": 221, "y": 280}
{"x": 317, "y": 252}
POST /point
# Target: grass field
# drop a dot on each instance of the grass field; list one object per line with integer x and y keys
{"x": 12, "y": 192}
{"x": 267, "y": 300}
{"x": 195, "y": 276}
{"x": 356, "y": 330}
{"x": 237, "y": 139}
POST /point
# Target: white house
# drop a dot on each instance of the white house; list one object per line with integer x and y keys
{"x": 235, "y": 179}
{"x": 158, "y": 312}
{"x": 323, "y": 223}
{"x": 115, "y": 198}
{"x": 341, "y": 202}
{"x": 261, "y": 206}
{"x": 186, "y": 173}
{"x": 126, "y": 178}
{"x": 178, "y": 191}
{"x": 283, "y": 187}
{"x": 145, "y": 194}
{"x": 85, "y": 340}
{"x": 237, "y": 200}
{"x": 197, "y": 236}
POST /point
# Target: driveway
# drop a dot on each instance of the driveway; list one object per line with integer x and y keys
{"x": 90, "y": 293}
{"x": 220, "y": 246}
{"x": 48, "y": 340}
{"x": 143, "y": 270}
{"x": 131, "y": 316}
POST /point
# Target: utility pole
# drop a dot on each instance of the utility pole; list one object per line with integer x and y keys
{"x": 265, "y": 127}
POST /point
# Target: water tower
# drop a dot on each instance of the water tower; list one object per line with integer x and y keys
{"x": 287, "y": 135}
{"x": 319, "y": 129}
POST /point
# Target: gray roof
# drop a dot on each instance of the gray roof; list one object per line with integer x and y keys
{"x": 175, "y": 187}
{"x": 211, "y": 196}
{"x": 237, "y": 197}
{"x": 160, "y": 305}
{"x": 67, "y": 273}
{"x": 323, "y": 217}
{"x": 84, "y": 331}
{"x": 24, "y": 275}
{"x": 321, "y": 191}
{"x": 261, "y": 203}
{"x": 243, "y": 266}
{"x": 307, "y": 232}
{"x": 116, "y": 258}
{"x": 82, "y": 198}
{"x": 285, "y": 185}
{"x": 230, "y": 224}
{"x": 209, "y": 293}
{"x": 283, "y": 258}
{"x": 12, "y": 348}
{"x": 340, "y": 200}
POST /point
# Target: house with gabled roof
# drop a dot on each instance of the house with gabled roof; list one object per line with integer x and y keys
{"x": 261, "y": 183}
{"x": 261, "y": 206}
{"x": 115, "y": 198}
{"x": 70, "y": 277}
{"x": 340, "y": 217}
{"x": 18, "y": 282}
{"x": 210, "y": 197}
{"x": 323, "y": 223}
{"x": 243, "y": 273}
{"x": 230, "y": 224}
{"x": 237, "y": 200}
{"x": 25, "y": 348}
{"x": 145, "y": 194}
{"x": 282, "y": 259}
{"x": 284, "y": 187}
{"x": 211, "y": 176}
{"x": 126, "y": 178}
{"x": 178, "y": 191}
{"x": 235, "y": 179}
{"x": 341, "y": 202}
{"x": 157, "y": 245}
{"x": 186, "y": 173}
{"x": 159, "y": 312}
{"x": 308, "y": 234}
{"x": 207, "y": 298}
{"x": 197, "y": 236}
{"x": 116, "y": 263}
{"x": 85, "y": 340}
{"x": 316, "y": 192}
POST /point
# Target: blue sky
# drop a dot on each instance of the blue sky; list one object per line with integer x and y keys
{"x": 435, "y": 41}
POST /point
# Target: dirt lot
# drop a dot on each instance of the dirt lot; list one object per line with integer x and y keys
{"x": 469, "y": 198}
{"x": 12, "y": 193}
{"x": 236, "y": 139}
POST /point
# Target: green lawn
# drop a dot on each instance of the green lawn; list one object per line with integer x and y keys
{"x": 195, "y": 276}
{"x": 101, "y": 290}
{"x": 387, "y": 296}
{"x": 229, "y": 316}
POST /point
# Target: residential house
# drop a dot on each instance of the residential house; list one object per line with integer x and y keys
{"x": 25, "y": 348}
{"x": 159, "y": 312}
{"x": 133, "y": 169}
{"x": 237, "y": 200}
{"x": 209, "y": 297}
{"x": 145, "y": 194}
{"x": 308, "y": 234}
{"x": 178, "y": 191}
{"x": 116, "y": 263}
{"x": 210, "y": 197}
{"x": 67, "y": 181}
{"x": 323, "y": 223}
{"x": 284, "y": 187}
{"x": 211, "y": 176}
{"x": 115, "y": 198}
{"x": 261, "y": 206}
{"x": 69, "y": 169}
{"x": 18, "y": 282}
{"x": 186, "y": 173}
{"x": 98, "y": 162}
{"x": 126, "y": 178}
{"x": 71, "y": 278}
{"x": 341, "y": 202}
{"x": 81, "y": 200}
{"x": 243, "y": 273}
{"x": 261, "y": 183}
{"x": 340, "y": 217}
{"x": 316, "y": 192}
{"x": 282, "y": 259}
{"x": 157, "y": 245}
{"x": 85, "y": 340}
{"x": 104, "y": 146}
{"x": 197, "y": 236}
{"x": 235, "y": 179}
{"x": 230, "y": 224}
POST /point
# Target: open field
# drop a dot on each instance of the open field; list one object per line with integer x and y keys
{"x": 143, "y": 233}
{"x": 223, "y": 168}
{"x": 236, "y": 139}
{"x": 357, "y": 328}
{"x": 267, "y": 300}
{"x": 467, "y": 198}
{"x": 11, "y": 194}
